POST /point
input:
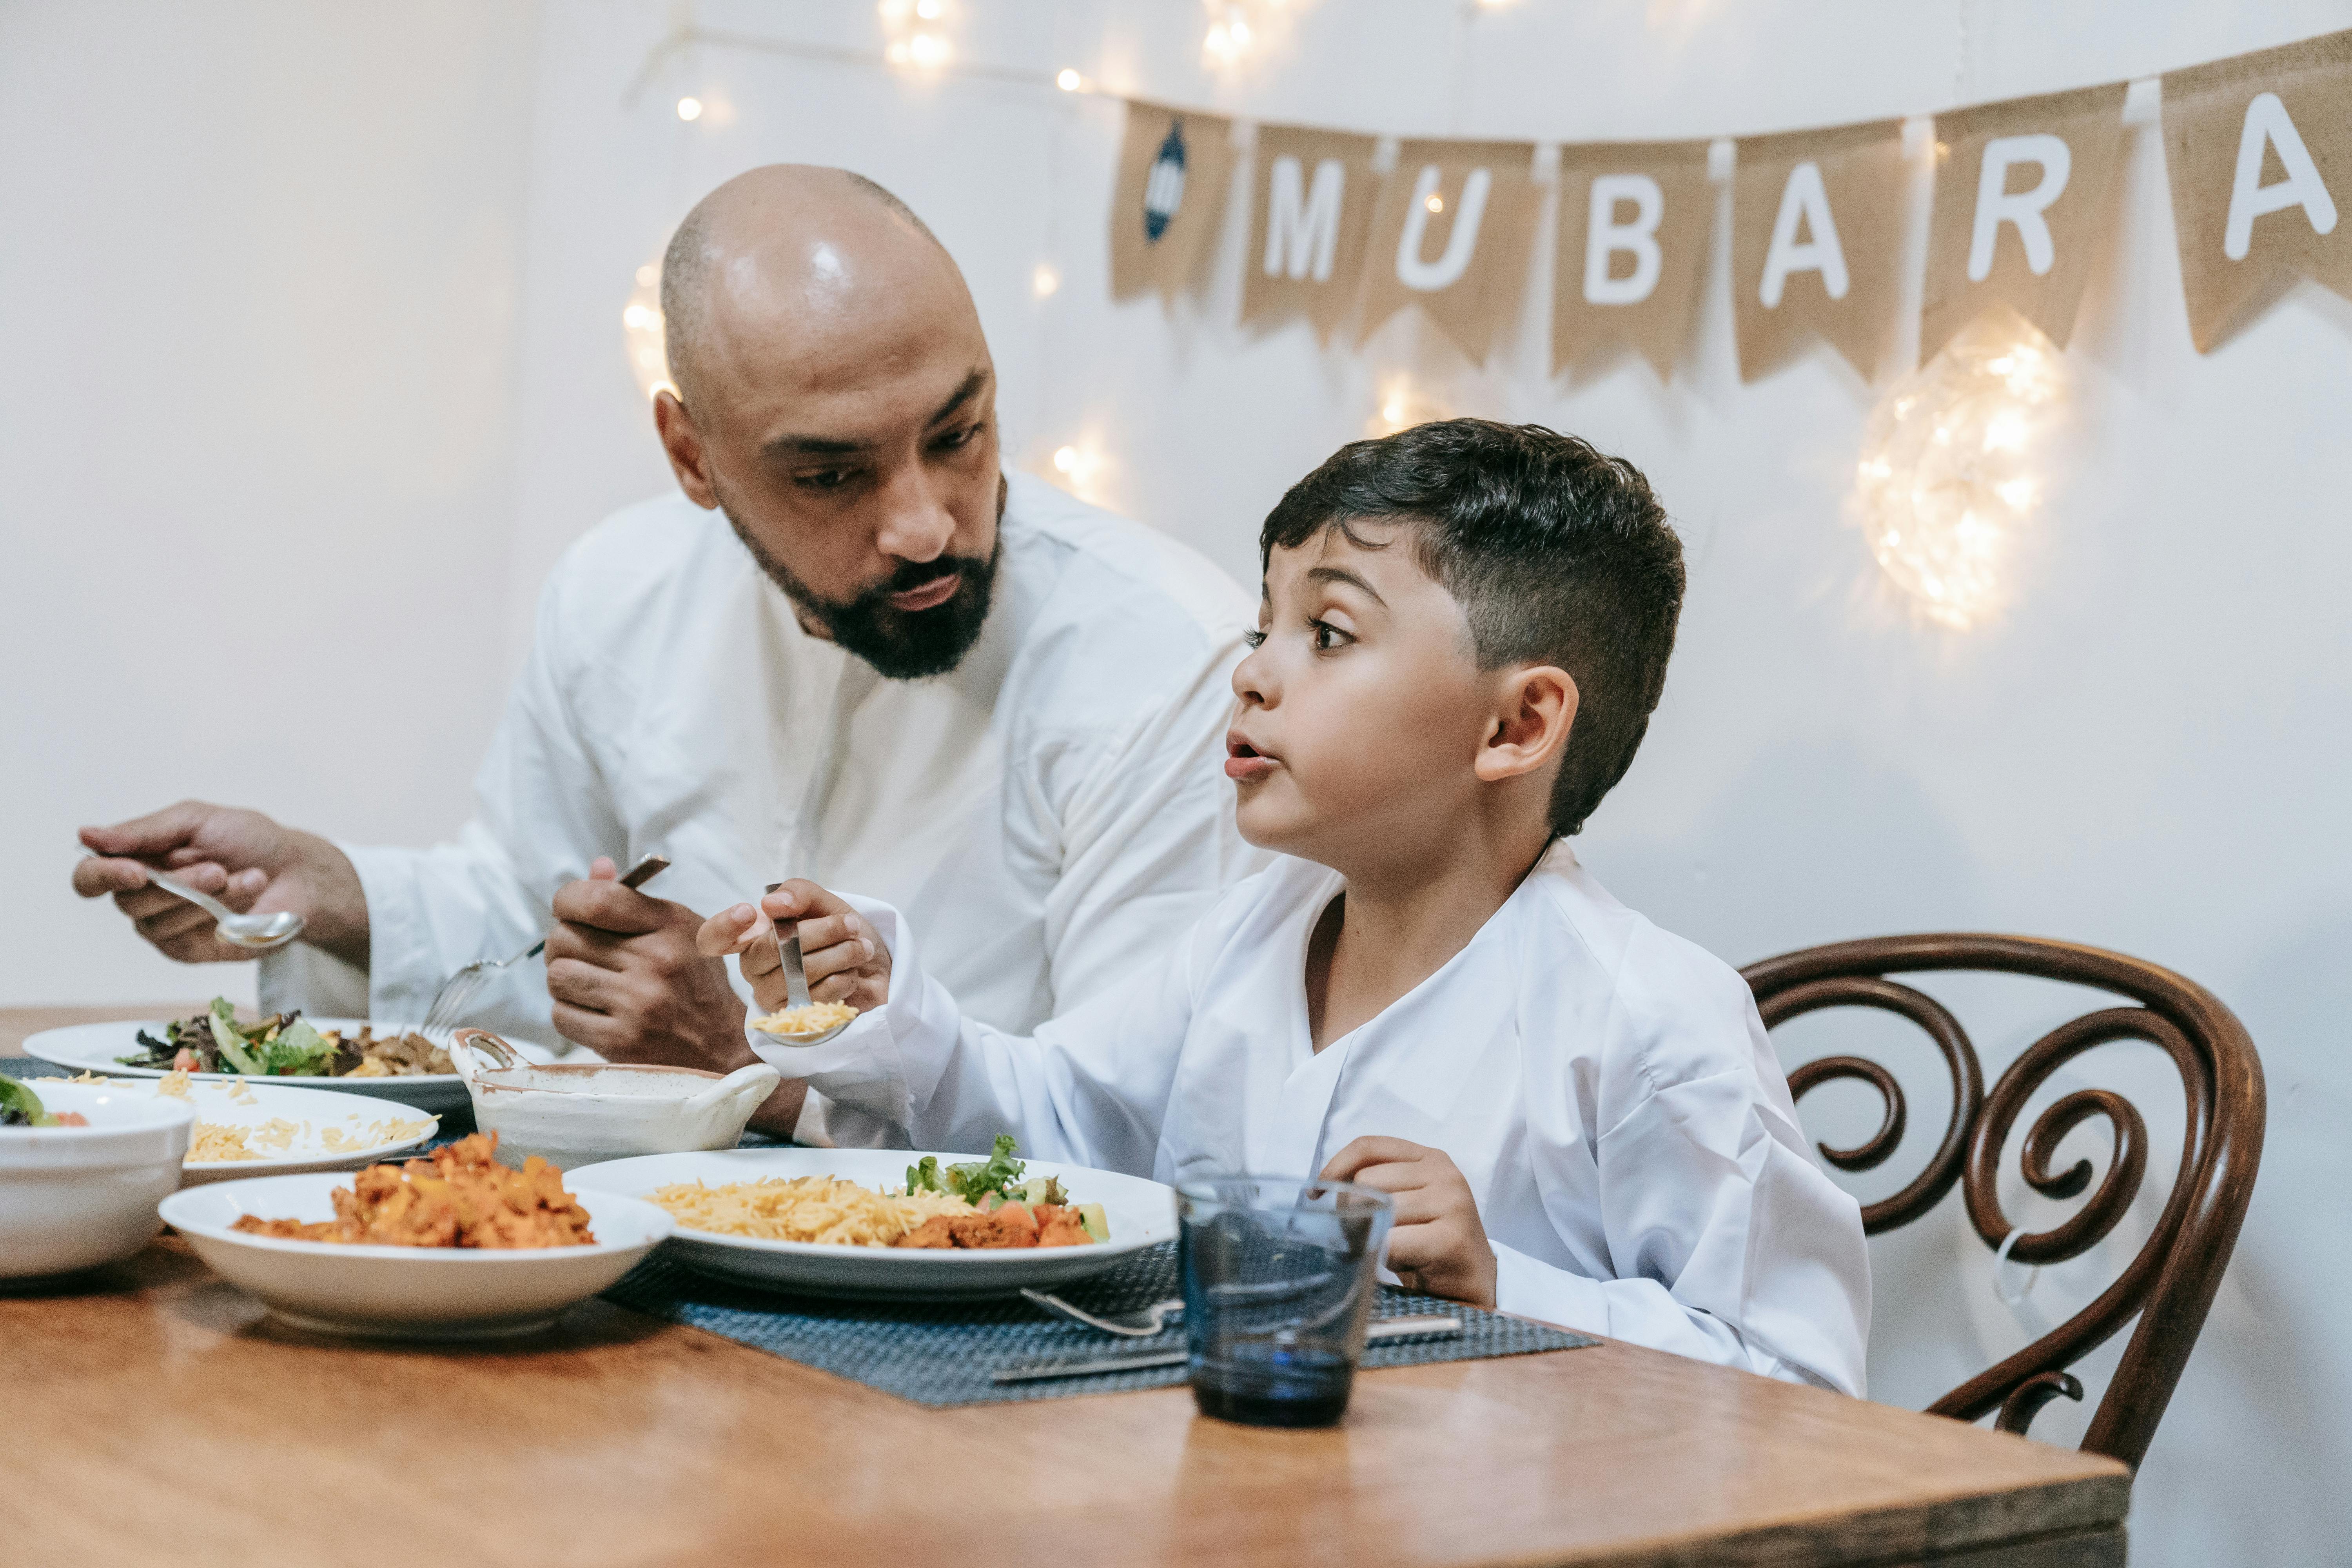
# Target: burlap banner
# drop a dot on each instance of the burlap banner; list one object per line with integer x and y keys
{"x": 1311, "y": 203}
{"x": 1451, "y": 233}
{"x": 1816, "y": 240}
{"x": 1633, "y": 222}
{"x": 1173, "y": 169}
{"x": 2259, "y": 154}
{"x": 2021, "y": 191}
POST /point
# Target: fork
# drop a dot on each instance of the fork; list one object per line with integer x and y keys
{"x": 457, "y": 991}
{"x": 1140, "y": 1325}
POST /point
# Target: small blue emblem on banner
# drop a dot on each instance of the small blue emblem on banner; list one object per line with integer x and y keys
{"x": 1163, "y": 190}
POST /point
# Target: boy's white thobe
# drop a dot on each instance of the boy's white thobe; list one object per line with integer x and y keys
{"x": 1607, "y": 1089}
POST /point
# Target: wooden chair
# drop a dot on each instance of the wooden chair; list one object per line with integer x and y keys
{"x": 2169, "y": 1284}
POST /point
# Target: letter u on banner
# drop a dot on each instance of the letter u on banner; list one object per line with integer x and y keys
{"x": 1311, "y": 196}
{"x": 2023, "y": 195}
{"x": 2259, "y": 151}
{"x": 1816, "y": 242}
{"x": 1633, "y": 225}
{"x": 1451, "y": 233}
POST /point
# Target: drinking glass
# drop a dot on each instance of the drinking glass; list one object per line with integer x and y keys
{"x": 1278, "y": 1287}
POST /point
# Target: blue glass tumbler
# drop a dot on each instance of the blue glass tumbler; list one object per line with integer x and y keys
{"x": 1278, "y": 1288}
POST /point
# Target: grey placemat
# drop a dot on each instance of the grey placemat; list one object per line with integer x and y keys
{"x": 941, "y": 1354}
{"x": 31, "y": 1067}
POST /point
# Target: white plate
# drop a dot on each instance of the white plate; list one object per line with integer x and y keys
{"x": 93, "y": 1047}
{"x": 402, "y": 1292}
{"x": 1140, "y": 1212}
{"x": 312, "y": 1111}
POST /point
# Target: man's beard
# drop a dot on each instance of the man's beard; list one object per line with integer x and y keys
{"x": 902, "y": 645}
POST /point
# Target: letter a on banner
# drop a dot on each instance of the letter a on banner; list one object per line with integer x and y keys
{"x": 1451, "y": 233}
{"x": 2021, "y": 190}
{"x": 1633, "y": 221}
{"x": 1311, "y": 202}
{"x": 1816, "y": 242}
{"x": 2259, "y": 150}
{"x": 1173, "y": 169}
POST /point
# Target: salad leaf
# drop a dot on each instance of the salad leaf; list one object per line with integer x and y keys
{"x": 924, "y": 1175}
{"x": 997, "y": 1173}
{"x": 20, "y": 1105}
{"x": 298, "y": 1050}
{"x": 231, "y": 1040}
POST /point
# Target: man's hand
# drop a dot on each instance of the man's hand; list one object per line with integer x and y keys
{"x": 242, "y": 858}
{"x": 842, "y": 954}
{"x": 1438, "y": 1246}
{"x": 627, "y": 982}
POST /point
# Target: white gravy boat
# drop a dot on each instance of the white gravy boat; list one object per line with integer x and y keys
{"x": 579, "y": 1114}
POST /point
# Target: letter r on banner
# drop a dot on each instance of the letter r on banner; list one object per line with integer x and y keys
{"x": 1605, "y": 238}
{"x": 2269, "y": 125}
{"x": 1804, "y": 204}
{"x": 1302, "y": 222}
{"x": 1461, "y": 242}
{"x": 1997, "y": 204}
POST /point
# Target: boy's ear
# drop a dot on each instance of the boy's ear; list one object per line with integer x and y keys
{"x": 1536, "y": 710}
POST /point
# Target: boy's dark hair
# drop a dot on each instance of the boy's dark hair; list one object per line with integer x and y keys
{"x": 1557, "y": 554}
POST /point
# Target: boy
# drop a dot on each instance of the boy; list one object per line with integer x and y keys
{"x": 1465, "y": 628}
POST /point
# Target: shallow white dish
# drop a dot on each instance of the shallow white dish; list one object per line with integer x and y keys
{"x": 577, "y": 1114}
{"x": 369, "y": 1131}
{"x": 1141, "y": 1214}
{"x": 74, "y": 1197}
{"x": 404, "y": 1292}
{"x": 93, "y": 1047}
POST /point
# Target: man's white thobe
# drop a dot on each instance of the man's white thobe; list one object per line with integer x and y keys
{"x": 1054, "y": 810}
{"x": 1606, "y": 1087}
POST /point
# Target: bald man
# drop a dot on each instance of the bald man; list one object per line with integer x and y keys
{"x": 852, "y": 649}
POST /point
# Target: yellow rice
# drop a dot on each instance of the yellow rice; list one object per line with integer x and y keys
{"x": 805, "y": 1208}
{"x": 216, "y": 1141}
{"x": 805, "y": 1020}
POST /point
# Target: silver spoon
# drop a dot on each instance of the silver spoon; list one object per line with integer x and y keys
{"x": 255, "y": 933}
{"x": 796, "y": 991}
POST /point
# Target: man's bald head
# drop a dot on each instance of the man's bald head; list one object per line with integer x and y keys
{"x": 781, "y": 238}
{"x": 835, "y": 399}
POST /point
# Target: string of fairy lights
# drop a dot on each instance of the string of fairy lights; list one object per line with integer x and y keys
{"x": 1945, "y": 485}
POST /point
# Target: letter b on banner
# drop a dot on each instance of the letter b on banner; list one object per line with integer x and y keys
{"x": 1606, "y": 239}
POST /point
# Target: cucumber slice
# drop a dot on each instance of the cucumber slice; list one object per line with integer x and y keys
{"x": 1097, "y": 1222}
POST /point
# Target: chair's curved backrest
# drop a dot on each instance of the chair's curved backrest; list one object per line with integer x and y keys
{"x": 2169, "y": 1284}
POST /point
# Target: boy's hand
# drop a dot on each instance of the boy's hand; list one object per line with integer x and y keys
{"x": 844, "y": 958}
{"x": 1438, "y": 1246}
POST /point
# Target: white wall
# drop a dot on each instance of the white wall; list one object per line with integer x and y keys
{"x": 258, "y": 290}
{"x": 2145, "y": 753}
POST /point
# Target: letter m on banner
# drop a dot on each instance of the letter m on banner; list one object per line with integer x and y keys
{"x": 1311, "y": 202}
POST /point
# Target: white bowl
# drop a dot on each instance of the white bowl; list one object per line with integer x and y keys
{"x": 75, "y": 1197}
{"x": 580, "y": 1115}
{"x": 404, "y": 1292}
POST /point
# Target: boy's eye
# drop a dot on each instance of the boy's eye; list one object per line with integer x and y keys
{"x": 1329, "y": 637}
{"x": 1255, "y": 638}
{"x": 954, "y": 439}
{"x": 824, "y": 479}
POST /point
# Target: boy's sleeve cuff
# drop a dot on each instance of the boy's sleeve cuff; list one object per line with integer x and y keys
{"x": 1532, "y": 1289}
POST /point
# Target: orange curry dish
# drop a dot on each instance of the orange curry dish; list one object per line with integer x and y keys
{"x": 1007, "y": 1224}
{"x": 461, "y": 1196}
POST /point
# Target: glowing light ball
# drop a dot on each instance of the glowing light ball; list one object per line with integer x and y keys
{"x": 1950, "y": 479}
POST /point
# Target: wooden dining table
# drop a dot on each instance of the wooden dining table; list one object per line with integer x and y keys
{"x": 155, "y": 1413}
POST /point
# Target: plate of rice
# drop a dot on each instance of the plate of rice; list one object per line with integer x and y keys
{"x": 888, "y": 1224}
{"x": 245, "y": 1128}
